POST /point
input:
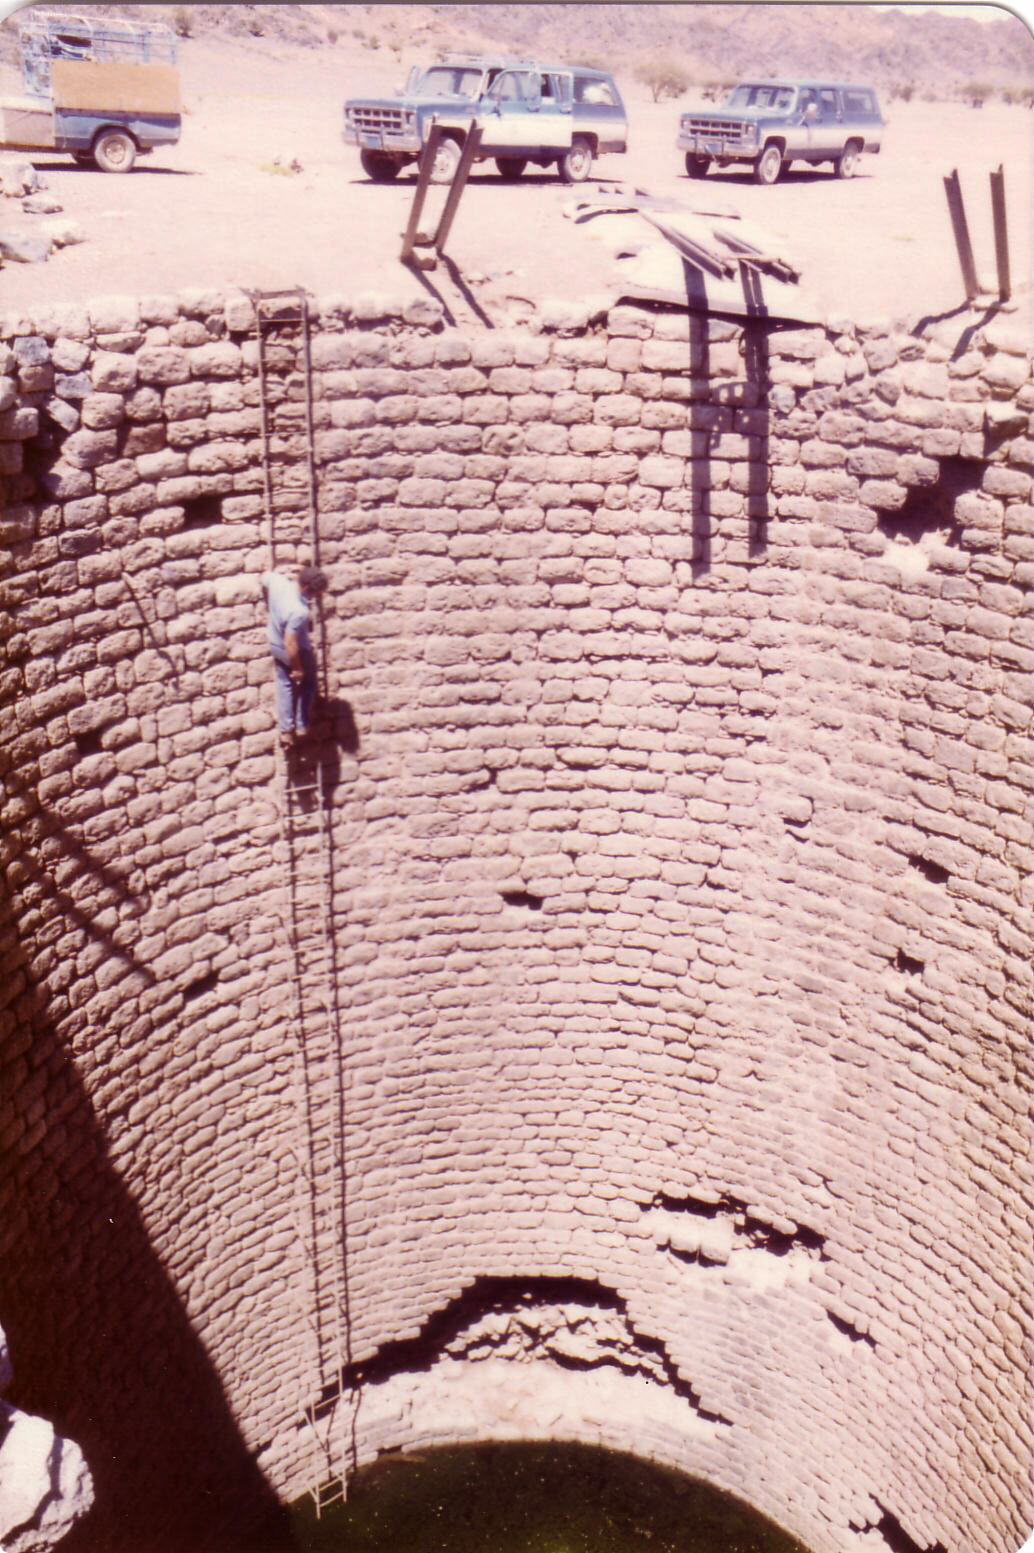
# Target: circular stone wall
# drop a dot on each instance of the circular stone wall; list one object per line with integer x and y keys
{"x": 676, "y": 770}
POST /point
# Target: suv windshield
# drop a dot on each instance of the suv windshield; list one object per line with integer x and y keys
{"x": 747, "y": 96}
{"x": 451, "y": 81}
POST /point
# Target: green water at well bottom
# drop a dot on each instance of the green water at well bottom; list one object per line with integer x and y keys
{"x": 531, "y": 1498}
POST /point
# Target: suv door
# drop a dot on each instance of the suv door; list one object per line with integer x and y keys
{"x": 827, "y": 129}
{"x": 598, "y": 109}
{"x": 522, "y": 113}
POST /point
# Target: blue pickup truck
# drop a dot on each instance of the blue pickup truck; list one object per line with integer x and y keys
{"x": 103, "y": 88}
{"x": 528, "y": 113}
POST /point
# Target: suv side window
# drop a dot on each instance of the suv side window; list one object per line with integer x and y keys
{"x": 597, "y": 93}
{"x": 507, "y": 87}
{"x": 859, "y": 104}
{"x": 828, "y": 105}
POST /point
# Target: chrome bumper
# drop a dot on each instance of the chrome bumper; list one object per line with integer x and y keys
{"x": 382, "y": 139}
{"x": 717, "y": 146}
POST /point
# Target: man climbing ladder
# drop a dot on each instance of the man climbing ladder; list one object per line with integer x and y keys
{"x": 294, "y": 660}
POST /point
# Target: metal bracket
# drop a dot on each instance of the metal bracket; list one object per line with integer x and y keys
{"x": 413, "y": 238}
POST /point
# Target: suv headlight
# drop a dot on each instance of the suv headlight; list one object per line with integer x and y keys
{"x": 750, "y": 132}
{"x": 409, "y": 119}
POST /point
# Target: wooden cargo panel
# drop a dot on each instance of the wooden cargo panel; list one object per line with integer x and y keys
{"x": 94, "y": 87}
{"x": 26, "y": 123}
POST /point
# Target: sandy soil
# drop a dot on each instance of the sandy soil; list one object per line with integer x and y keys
{"x": 214, "y": 210}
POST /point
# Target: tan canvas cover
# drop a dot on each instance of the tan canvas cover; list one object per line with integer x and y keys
{"x": 95, "y": 87}
{"x": 25, "y": 123}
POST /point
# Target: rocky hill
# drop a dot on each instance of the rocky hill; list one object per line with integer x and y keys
{"x": 707, "y": 41}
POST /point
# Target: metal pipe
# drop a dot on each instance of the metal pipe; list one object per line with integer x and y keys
{"x": 1001, "y": 234}
{"x": 957, "y": 211}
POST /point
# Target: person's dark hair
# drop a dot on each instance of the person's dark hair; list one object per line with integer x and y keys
{"x": 311, "y": 579}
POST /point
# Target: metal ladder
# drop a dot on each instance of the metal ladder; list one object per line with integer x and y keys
{"x": 306, "y": 847}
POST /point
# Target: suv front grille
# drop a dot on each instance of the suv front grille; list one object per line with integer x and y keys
{"x": 716, "y": 129}
{"x": 377, "y": 119}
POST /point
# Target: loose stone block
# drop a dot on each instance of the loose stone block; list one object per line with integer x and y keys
{"x": 218, "y": 360}
{"x": 112, "y": 315}
{"x": 113, "y": 373}
{"x": 103, "y": 410}
{"x": 163, "y": 365}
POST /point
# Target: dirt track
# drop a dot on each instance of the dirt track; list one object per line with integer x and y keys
{"x": 215, "y": 212}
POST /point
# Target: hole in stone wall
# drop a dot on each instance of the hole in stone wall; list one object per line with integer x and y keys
{"x": 897, "y": 1538}
{"x": 197, "y": 988}
{"x": 89, "y": 743}
{"x": 523, "y": 898}
{"x": 930, "y": 509}
{"x": 574, "y": 1323}
{"x": 906, "y": 963}
{"x": 929, "y": 870}
{"x": 847, "y": 1330}
{"x": 202, "y": 511}
{"x": 487, "y": 780}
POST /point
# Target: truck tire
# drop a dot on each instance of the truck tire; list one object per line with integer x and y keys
{"x": 846, "y": 164}
{"x": 114, "y": 151}
{"x": 446, "y": 161}
{"x": 697, "y": 166}
{"x": 769, "y": 165}
{"x": 382, "y": 169}
{"x": 576, "y": 164}
{"x": 511, "y": 167}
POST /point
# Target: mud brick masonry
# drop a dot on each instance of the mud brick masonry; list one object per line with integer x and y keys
{"x": 681, "y": 906}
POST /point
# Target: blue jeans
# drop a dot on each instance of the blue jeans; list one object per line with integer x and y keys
{"x": 294, "y": 702}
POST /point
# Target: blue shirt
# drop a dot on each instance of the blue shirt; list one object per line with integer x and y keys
{"x": 288, "y": 611}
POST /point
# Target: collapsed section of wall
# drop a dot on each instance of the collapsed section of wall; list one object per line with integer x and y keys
{"x": 681, "y": 904}
{"x": 45, "y": 1485}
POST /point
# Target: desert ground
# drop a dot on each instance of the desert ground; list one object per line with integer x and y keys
{"x": 216, "y": 210}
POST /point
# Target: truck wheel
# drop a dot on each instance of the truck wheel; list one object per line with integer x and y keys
{"x": 114, "y": 151}
{"x": 697, "y": 166}
{"x": 511, "y": 167}
{"x": 846, "y": 164}
{"x": 446, "y": 161}
{"x": 576, "y": 165}
{"x": 382, "y": 169}
{"x": 768, "y": 165}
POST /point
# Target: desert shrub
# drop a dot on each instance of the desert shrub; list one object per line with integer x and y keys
{"x": 902, "y": 91}
{"x": 976, "y": 93}
{"x": 183, "y": 22}
{"x": 332, "y": 34}
{"x": 663, "y": 79}
{"x": 715, "y": 91}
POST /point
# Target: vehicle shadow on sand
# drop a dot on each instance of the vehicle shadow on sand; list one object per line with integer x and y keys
{"x": 93, "y": 171}
{"x": 480, "y": 180}
{"x": 744, "y": 177}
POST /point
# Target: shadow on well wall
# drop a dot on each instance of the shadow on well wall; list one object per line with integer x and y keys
{"x": 99, "y": 1341}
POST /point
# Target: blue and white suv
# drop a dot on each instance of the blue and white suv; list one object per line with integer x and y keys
{"x": 527, "y": 112}
{"x": 770, "y": 124}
